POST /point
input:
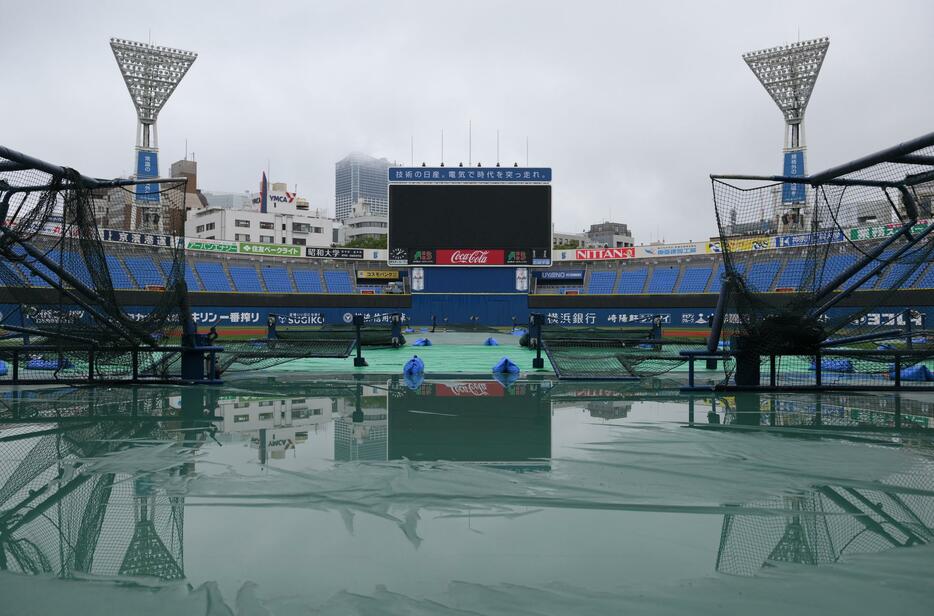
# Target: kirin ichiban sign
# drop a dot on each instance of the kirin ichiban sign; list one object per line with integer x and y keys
{"x": 470, "y": 257}
{"x": 462, "y": 175}
{"x": 603, "y": 254}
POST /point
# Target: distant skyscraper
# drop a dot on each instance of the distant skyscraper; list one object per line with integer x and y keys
{"x": 361, "y": 177}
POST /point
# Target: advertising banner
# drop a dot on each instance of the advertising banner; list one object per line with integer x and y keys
{"x": 522, "y": 279}
{"x": 470, "y": 257}
{"x": 276, "y": 250}
{"x": 378, "y": 275}
{"x": 211, "y": 246}
{"x": 470, "y": 389}
{"x": 467, "y": 174}
{"x": 603, "y": 254}
{"x": 561, "y": 275}
{"x": 669, "y": 250}
{"x": 147, "y": 166}
{"x": 741, "y": 244}
{"x": 871, "y": 233}
{"x": 335, "y": 253}
{"x": 793, "y": 168}
{"x": 807, "y": 239}
{"x": 132, "y": 237}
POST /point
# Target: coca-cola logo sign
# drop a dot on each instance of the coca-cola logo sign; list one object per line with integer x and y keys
{"x": 467, "y": 256}
{"x": 469, "y": 389}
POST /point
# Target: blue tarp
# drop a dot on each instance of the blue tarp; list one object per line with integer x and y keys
{"x": 48, "y": 364}
{"x": 413, "y": 381}
{"x": 491, "y": 341}
{"x": 506, "y": 378}
{"x": 918, "y": 372}
{"x": 506, "y": 365}
{"x": 3, "y": 368}
{"x": 422, "y": 342}
{"x": 414, "y": 366}
{"x": 834, "y": 365}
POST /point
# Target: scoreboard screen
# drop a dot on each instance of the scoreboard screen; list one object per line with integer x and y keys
{"x": 471, "y": 225}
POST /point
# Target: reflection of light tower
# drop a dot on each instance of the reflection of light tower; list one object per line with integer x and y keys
{"x": 788, "y": 74}
{"x": 151, "y": 74}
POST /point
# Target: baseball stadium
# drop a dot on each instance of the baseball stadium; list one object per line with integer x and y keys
{"x": 449, "y": 424}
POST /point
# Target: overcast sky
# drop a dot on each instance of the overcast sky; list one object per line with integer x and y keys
{"x": 632, "y": 103}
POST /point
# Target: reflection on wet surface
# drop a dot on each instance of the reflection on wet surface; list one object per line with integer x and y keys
{"x": 364, "y": 496}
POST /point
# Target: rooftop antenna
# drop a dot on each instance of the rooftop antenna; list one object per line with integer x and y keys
{"x": 526, "y": 150}
{"x": 442, "y": 147}
{"x": 469, "y": 142}
{"x": 497, "y": 147}
{"x": 412, "y": 150}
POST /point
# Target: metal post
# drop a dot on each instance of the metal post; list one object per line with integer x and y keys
{"x": 898, "y": 371}
{"x": 716, "y": 325}
{"x": 535, "y": 337}
{"x": 771, "y": 369}
{"x": 691, "y": 372}
{"x": 817, "y": 369}
{"x": 16, "y": 365}
{"x": 90, "y": 364}
{"x": 134, "y": 354}
{"x": 359, "y": 361}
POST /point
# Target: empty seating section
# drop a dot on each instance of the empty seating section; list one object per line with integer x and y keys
{"x": 245, "y": 279}
{"x": 277, "y": 280}
{"x": 338, "y": 281}
{"x": 307, "y": 281}
{"x": 694, "y": 280}
{"x": 632, "y": 281}
{"x": 190, "y": 279}
{"x": 213, "y": 276}
{"x": 74, "y": 264}
{"x": 121, "y": 280}
{"x": 793, "y": 276}
{"x": 145, "y": 271}
{"x": 601, "y": 283}
{"x": 663, "y": 279}
{"x": 761, "y": 274}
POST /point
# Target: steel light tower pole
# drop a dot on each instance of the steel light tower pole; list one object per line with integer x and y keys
{"x": 151, "y": 74}
{"x": 788, "y": 74}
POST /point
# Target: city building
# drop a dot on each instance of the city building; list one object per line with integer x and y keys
{"x": 610, "y": 235}
{"x": 288, "y": 219}
{"x": 361, "y": 224}
{"x": 230, "y": 201}
{"x": 359, "y": 177}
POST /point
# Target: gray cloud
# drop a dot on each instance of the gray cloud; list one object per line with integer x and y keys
{"x": 633, "y": 104}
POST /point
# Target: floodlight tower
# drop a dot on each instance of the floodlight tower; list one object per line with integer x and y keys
{"x": 151, "y": 73}
{"x": 788, "y": 74}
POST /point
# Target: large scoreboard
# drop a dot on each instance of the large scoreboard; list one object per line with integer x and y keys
{"x": 479, "y": 223}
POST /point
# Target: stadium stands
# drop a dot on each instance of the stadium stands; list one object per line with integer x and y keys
{"x": 695, "y": 280}
{"x": 245, "y": 279}
{"x": 277, "y": 280}
{"x": 663, "y": 279}
{"x": 144, "y": 270}
{"x": 601, "y": 283}
{"x": 338, "y": 281}
{"x": 632, "y": 281}
{"x": 307, "y": 281}
{"x": 213, "y": 276}
{"x": 194, "y": 284}
{"x": 119, "y": 276}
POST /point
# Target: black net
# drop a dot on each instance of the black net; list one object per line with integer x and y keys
{"x": 74, "y": 255}
{"x": 613, "y": 353}
{"x": 839, "y": 235}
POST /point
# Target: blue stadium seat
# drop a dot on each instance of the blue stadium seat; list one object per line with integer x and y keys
{"x": 796, "y": 272}
{"x": 717, "y": 281}
{"x": 926, "y": 281}
{"x": 190, "y": 279}
{"x": 213, "y": 276}
{"x": 33, "y": 280}
{"x": 277, "y": 280}
{"x": 694, "y": 280}
{"x": 601, "y": 283}
{"x": 246, "y": 279}
{"x": 632, "y": 281}
{"x": 75, "y": 265}
{"x": 663, "y": 279}
{"x": 338, "y": 281}
{"x": 307, "y": 281}
{"x": 895, "y": 272}
{"x": 761, "y": 274}
{"x": 121, "y": 280}
{"x": 145, "y": 271}
{"x": 872, "y": 282}
{"x": 834, "y": 266}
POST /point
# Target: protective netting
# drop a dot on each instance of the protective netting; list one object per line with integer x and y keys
{"x": 823, "y": 525}
{"x": 790, "y": 300}
{"x": 72, "y": 249}
{"x": 606, "y": 353}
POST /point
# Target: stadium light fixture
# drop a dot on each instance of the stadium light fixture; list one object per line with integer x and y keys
{"x": 151, "y": 74}
{"x": 788, "y": 74}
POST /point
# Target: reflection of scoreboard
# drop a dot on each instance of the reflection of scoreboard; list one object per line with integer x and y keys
{"x": 478, "y": 421}
{"x": 494, "y": 221}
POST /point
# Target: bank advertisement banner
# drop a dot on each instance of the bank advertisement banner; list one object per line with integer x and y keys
{"x": 807, "y": 239}
{"x": 377, "y": 275}
{"x": 147, "y": 166}
{"x": 793, "y": 168}
{"x": 142, "y": 239}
